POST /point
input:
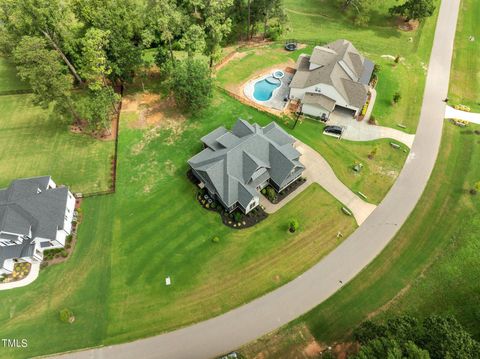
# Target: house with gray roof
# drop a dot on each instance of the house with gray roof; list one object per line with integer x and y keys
{"x": 35, "y": 215}
{"x": 334, "y": 78}
{"x": 235, "y": 165}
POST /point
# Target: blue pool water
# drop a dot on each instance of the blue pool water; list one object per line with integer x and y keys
{"x": 262, "y": 90}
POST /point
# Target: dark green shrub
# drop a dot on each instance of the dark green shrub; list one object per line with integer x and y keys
{"x": 238, "y": 216}
{"x": 293, "y": 225}
{"x": 271, "y": 194}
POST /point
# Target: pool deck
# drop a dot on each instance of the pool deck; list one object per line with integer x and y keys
{"x": 276, "y": 102}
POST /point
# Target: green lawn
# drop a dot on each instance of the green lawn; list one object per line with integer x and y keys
{"x": 34, "y": 143}
{"x": 378, "y": 174}
{"x": 465, "y": 79}
{"x": 10, "y": 80}
{"x": 252, "y": 60}
{"x": 431, "y": 266}
{"x": 152, "y": 228}
{"x": 319, "y": 22}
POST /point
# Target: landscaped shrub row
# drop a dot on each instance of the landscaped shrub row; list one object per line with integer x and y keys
{"x": 236, "y": 219}
{"x": 274, "y": 197}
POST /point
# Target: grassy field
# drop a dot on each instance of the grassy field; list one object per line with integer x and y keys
{"x": 432, "y": 265}
{"x": 10, "y": 80}
{"x": 34, "y": 143}
{"x": 465, "y": 79}
{"x": 319, "y": 22}
{"x": 152, "y": 228}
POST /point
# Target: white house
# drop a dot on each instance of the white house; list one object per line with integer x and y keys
{"x": 334, "y": 78}
{"x": 35, "y": 215}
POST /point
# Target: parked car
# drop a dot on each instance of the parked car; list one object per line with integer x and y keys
{"x": 335, "y": 131}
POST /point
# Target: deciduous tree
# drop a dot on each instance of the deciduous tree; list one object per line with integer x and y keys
{"x": 414, "y": 9}
{"x": 191, "y": 84}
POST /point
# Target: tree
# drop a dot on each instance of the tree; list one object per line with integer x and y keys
{"x": 362, "y": 10}
{"x": 51, "y": 19}
{"x": 193, "y": 40}
{"x": 191, "y": 84}
{"x": 435, "y": 337}
{"x": 165, "y": 20}
{"x": 414, "y": 9}
{"x": 47, "y": 75}
{"x": 97, "y": 108}
{"x": 293, "y": 225}
{"x": 122, "y": 24}
{"x": 267, "y": 12}
{"x": 444, "y": 337}
{"x": 217, "y": 26}
{"x": 94, "y": 63}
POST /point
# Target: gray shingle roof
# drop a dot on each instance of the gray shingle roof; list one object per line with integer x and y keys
{"x": 340, "y": 65}
{"x": 253, "y": 154}
{"x": 29, "y": 208}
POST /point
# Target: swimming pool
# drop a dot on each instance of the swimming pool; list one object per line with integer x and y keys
{"x": 263, "y": 89}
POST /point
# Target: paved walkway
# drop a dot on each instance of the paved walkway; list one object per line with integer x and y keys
{"x": 319, "y": 171}
{"x": 32, "y": 275}
{"x": 362, "y": 131}
{"x": 231, "y": 330}
{"x": 473, "y": 117}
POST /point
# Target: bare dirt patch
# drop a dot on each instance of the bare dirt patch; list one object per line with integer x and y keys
{"x": 103, "y": 135}
{"x": 152, "y": 110}
{"x": 410, "y": 25}
{"x": 312, "y": 350}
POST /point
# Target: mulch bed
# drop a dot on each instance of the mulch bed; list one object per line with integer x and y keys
{"x": 232, "y": 220}
{"x": 69, "y": 245}
{"x": 291, "y": 188}
{"x": 20, "y": 271}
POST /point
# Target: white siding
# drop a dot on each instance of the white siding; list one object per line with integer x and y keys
{"x": 253, "y": 203}
{"x": 314, "y": 110}
{"x": 327, "y": 90}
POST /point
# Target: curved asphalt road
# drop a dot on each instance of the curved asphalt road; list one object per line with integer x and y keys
{"x": 248, "y": 322}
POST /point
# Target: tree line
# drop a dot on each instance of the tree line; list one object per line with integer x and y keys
{"x": 403, "y": 337}
{"x": 94, "y": 46}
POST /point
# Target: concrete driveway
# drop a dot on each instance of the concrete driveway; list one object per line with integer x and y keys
{"x": 319, "y": 171}
{"x": 363, "y": 131}
{"x": 472, "y": 117}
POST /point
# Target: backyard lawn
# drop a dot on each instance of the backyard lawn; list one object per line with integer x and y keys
{"x": 431, "y": 266}
{"x": 153, "y": 228}
{"x": 318, "y": 22}
{"x": 9, "y": 79}
{"x": 465, "y": 79}
{"x": 34, "y": 143}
